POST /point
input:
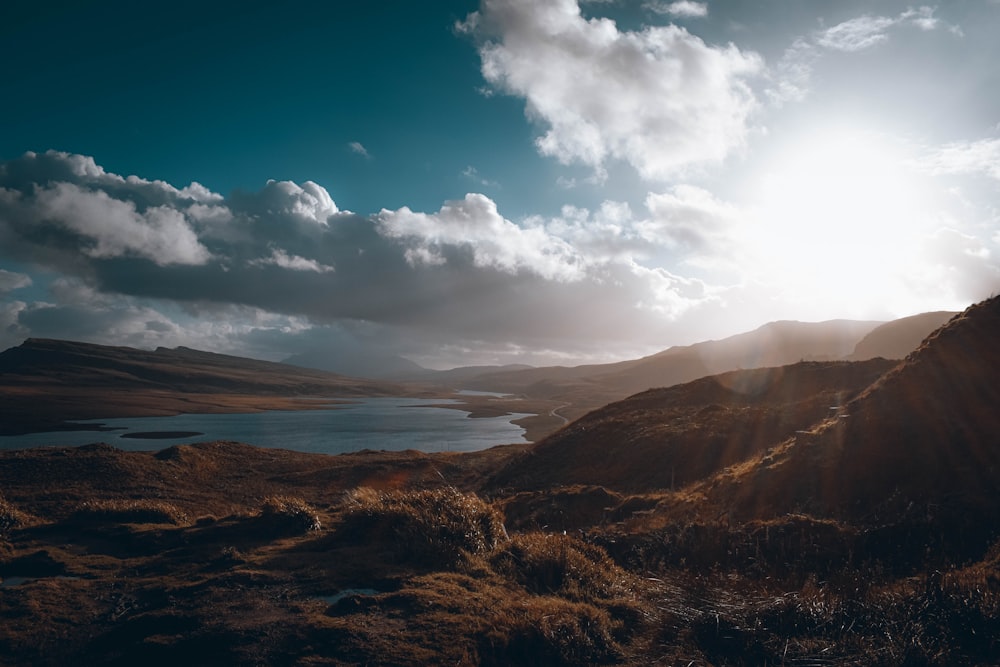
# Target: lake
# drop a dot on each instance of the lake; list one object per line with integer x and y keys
{"x": 372, "y": 423}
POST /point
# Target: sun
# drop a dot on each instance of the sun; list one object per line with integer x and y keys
{"x": 838, "y": 217}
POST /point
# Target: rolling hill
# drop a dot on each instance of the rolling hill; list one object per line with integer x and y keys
{"x": 923, "y": 439}
{"x": 896, "y": 339}
{"x": 44, "y": 382}
{"x": 669, "y": 437}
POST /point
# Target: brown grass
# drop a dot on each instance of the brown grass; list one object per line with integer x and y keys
{"x": 129, "y": 511}
{"x": 431, "y": 527}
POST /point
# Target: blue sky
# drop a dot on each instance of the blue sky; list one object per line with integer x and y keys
{"x": 505, "y": 181}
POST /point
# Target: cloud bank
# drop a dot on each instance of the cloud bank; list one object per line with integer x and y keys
{"x": 120, "y": 246}
{"x": 660, "y": 99}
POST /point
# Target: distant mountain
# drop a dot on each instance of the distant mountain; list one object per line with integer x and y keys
{"x": 587, "y": 387}
{"x": 896, "y": 339}
{"x": 180, "y": 369}
{"x": 457, "y": 378}
{"x": 357, "y": 362}
{"x": 44, "y": 382}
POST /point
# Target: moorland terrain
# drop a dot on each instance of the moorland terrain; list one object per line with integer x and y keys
{"x": 49, "y": 385}
{"x": 819, "y": 512}
{"x": 44, "y": 384}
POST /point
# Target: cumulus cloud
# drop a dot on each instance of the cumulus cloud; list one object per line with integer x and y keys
{"x": 126, "y": 251}
{"x": 475, "y": 226}
{"x": 110, "y": 227}
{"x": 660, "y": 99}
{"x": 284, "y": 267}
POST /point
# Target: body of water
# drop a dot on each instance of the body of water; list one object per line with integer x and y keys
{"x": 373, "y": 423}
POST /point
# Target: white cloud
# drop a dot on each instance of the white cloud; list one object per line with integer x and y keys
{"x": 280, "y": 258}
{"x": 112, "y": 228}
{"x": 358, "y": 148}
{"x": 856, "y": 34}
{"x": 960, "y": 264}
{"x": 690, "y": 217}
{"x": 681, "y": 8}
{"x": 921, "y": 17}
{"x": 473, "y": 175}
{"x": 791, "y": 76}
{"x": 309, "y": 202}
{"x": 586, "y": 281}
{"x": 10, "y": 281}
{"x": 965, "y": 157}
{"x": 475, "y": 224}
{"x": 660, "y": 98}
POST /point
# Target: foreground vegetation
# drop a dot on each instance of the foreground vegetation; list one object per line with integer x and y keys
{"x": 310, "y": 570}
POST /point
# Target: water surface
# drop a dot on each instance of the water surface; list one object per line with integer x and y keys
{"x": 373, "y": 423}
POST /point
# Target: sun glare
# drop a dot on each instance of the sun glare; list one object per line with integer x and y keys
{"x": 839, "y": 218}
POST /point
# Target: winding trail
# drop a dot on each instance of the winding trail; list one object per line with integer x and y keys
{"x": 554, "y": 412}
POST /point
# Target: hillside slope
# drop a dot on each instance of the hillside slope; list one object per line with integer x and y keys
{"x": 896, "y": 339}
{"x": 181, "y": 369}
{"x": 923, "y": 440}
{"x": 591, "y": 386}
{"x": 44, "y": 383}
{"x": 667, "y": 438}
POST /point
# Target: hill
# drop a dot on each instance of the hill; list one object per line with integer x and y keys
{"x": 670, "y": 437}
{"x": 921, "y": 440}
{"x": 896, "y": 339}
{"x": 583, "y": 388}
{"x": 45, "y": 382}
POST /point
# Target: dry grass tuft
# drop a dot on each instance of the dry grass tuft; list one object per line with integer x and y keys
{"x": 288, "y": 515}
{"x": 433, "y": 527}
{"x": 547, "y": 564}
{"x": 11, "y": 517}
{"x": 130, "y": 511}
{"x": 552, "y": 631}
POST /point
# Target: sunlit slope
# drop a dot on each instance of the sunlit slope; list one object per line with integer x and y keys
{"x": 773, "y": 344}
{"x": 923, "y": 441}
{"x": 667, "y": 438}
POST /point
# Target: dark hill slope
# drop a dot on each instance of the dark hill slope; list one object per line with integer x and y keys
{"x": 670, "y": 437}
{"x": 45, "y": 383}
{"x": 923, "y": 440}
{"x": 42, "y": 361}
{"x": 896, "y": 339}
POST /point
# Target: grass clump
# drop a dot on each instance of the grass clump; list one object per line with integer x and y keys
{"x": 552, "y": 631}
{"x": 578, "y": 606}
{"x": 548, "y": 564}
{"x": 431, "y": 527}
{"x": 288, "y": 515}
{"x": 10, "y": 517}
{"x": 129, "y": 511}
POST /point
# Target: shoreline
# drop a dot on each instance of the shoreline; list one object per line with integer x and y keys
{"x": 84, "y": 405}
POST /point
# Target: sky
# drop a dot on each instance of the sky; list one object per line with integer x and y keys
{"x": 505, "y": 181}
